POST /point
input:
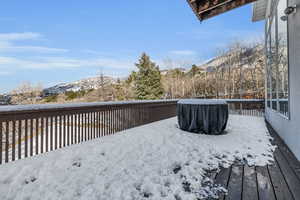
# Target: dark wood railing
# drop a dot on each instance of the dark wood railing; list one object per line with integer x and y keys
{"x": 30, "y": 130}
{"x": 252, "y": 107}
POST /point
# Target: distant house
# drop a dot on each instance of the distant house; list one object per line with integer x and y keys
{"x": 164, "y": 72}
{"x": 167, "y": 71}
{"x": 5, "y": 99}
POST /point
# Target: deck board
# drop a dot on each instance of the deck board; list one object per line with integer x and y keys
{"x": 222, "y": 179}
{"x": 235, "y": 183}
{"x": 249, "y": 184}
{"x": 264, "y": 184}
{"x": 278, "y": 181}
{"x": 280, "y": 186}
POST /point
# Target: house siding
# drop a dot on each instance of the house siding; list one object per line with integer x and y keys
{"x": 289, "y": 128}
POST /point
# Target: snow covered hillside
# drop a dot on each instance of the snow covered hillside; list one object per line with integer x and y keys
{"x": 154, "y": 161}
{"x": 83, "y": 84}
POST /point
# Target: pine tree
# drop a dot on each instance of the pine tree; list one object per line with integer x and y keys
{"x": 147, "y": 79}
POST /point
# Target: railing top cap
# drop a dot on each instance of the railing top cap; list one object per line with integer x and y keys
{"x": 38, "y": 107}
{"x": 202, "y": 101}
{"x": 69, "y": 106}
{"x": 244, "y": 100}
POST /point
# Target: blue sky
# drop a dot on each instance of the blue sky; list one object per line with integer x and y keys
{"x": 59, "y": 41}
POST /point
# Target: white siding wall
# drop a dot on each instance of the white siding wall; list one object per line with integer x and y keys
{"x": 289, "y": 129}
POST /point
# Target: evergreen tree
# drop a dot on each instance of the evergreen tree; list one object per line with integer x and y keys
{"x": 147, "y": 79}
{"x": 194, "y": 70}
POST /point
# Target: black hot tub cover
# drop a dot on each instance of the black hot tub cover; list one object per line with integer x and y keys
{"x": 202, "y": 116}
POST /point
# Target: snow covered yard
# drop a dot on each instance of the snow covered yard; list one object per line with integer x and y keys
{"x": 154, "y": 161}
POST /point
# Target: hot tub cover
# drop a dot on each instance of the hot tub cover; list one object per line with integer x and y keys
{"x": 202, "y": 116}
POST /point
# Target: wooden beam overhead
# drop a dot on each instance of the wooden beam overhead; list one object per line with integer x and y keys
{"x": 205, "y": 9}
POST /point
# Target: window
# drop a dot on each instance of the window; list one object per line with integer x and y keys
{"x": 268, "y": 77}
{"x": 283, "y": 74}
{"x": 277, "y": 60}
{"x": 273, "y": 63}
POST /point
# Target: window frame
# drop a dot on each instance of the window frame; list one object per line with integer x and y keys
{"x": 273, "y": 18}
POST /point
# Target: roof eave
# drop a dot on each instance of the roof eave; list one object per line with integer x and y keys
{"x": 259, "y": 10}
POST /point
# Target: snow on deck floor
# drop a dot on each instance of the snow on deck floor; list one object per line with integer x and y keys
{"x": 154, "y": 161}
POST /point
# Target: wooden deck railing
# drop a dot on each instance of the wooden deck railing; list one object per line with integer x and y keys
{"x": 34, "y": 129}
{"x": 30, "y": 130}
{"x": 252, "y": 107}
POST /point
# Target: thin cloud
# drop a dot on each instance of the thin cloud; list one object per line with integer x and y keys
{"x": 19, "y": 36}
{"x": 183, "y": 52}
{"x": 214, "y": 32}
{"x": 8, "y": 43}
{"x": 40, "y": 49}
{"x": 62, "y": 63}
{"x": 7, "y": 19}
{"x": 5, "y": 73}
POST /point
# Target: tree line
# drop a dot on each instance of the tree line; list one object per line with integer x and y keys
{"x": 237, "y": 71}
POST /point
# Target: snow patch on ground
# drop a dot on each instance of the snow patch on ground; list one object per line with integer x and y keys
{"x": 155, "y": 161}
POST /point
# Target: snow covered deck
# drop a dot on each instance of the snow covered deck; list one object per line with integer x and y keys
{"x": 159, "y": 161}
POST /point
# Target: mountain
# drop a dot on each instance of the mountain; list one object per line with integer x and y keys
{"x": 237, "y": 58}
{"x": 83, "y": 84}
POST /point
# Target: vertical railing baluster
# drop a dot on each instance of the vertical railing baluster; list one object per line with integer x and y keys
{"x": 36, "y": 136}
{"x": 121, "y": 118}
{"x": 105, "y": 121}
{"x": 1, "y": 148}
{"x": 102, "y": 123}
{"x": 95, "y": 123}
{"x": 118, "y": 119}
{"x": 69, "y": 127}
{"x": 72, "y": 129}
{"x": 113, "y": 120}
{"x": 110, "y": 120}
{"x": 56, "y": 132}
{"x": 76, "y": 138}
{"x": 64, "y": 130}
{"x": 60, "y": 131}
{"x": 51, "y": 133}
{"x": 13, "y": 147}
{"x": 128, "y": 117}
{"x": 47, "y": 134}
{"x": 20, "y": 131}
{"x": 85, "y": 127}
{"x": 98, "y": 124}
{"x": 31, "y": 137}
{"x": 124, "y": 118}
{"x": 42, "y": 134}
{"x": 92, "y": 124}
{"x": 89, "y": 126}
{"x": 6, "y": 141}
{"x": 82, "y": 127}
{"x": 26, "y": 138}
